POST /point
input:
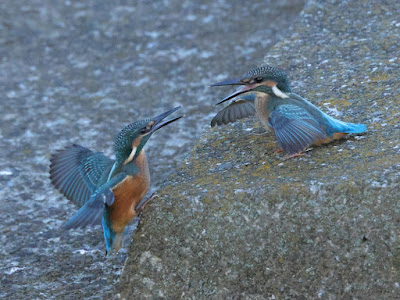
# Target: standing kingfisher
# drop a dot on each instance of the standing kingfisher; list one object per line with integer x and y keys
{"x": 108, "y": 190}
{"x": 296, "y": 123}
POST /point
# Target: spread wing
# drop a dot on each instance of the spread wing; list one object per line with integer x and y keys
{"x": 295, "y": 129}
{"x": 236, "y": 110}
{"x": 77, "y": 171}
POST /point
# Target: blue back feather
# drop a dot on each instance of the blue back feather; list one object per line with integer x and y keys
{"x": 332, "y": 125}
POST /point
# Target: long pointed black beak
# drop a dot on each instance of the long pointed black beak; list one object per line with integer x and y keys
{"x": 246, "y": 88}
{"x": 158, "y": 121}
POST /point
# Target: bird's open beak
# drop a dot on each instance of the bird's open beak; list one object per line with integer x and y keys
{"x": 159, "y": 120}
{"x": 244, "y": 89}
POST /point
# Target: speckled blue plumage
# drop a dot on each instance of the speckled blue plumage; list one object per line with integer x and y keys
{"x": 267, "y": 72}
{"x": 97, "y": 184}
{"x": 295, "y": 129}
{"x": 122, "y": 144}
{"x": 77, "y": 172}
{"x": 296, "y": 122}
{"x": 86, "y": 178}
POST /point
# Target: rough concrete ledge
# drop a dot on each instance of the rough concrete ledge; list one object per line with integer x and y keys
{"x": 238, "y": 222}
{"x": 77, "y": 72}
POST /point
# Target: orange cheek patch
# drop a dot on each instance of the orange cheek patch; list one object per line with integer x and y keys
{"x": 136, "y": 142}
{"x": 270, "y": 83}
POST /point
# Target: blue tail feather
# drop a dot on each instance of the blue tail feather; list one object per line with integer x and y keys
{"x": 355, "y": 128}
{"x": 88, "y": 215}
{"x": 340, "y": 126}
{"x": 109, "y": 233}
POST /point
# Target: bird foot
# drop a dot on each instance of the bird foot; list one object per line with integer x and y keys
{"x": 140, "y": 208}
{"x": 301, "y": 153}
{"x": 278, "y": 150}
{"x": 294, "y": 155}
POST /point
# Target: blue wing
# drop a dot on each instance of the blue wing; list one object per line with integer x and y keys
{"x": 92, "y": 211}
{"x": 332, "y": 125}
{"x": 295, "y": 129}
{"x": 77, "y": 172}
{"x": 236, "y": 110}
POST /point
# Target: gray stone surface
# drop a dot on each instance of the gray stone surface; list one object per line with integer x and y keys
{"x": 77, "y": 72}
{"x": 239, "y": 222}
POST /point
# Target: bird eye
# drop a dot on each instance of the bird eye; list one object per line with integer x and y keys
{"x": 143, "y": 130}
{"x": 258, "y": 79}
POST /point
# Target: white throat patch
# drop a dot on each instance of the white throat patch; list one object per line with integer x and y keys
{"x": 279, "y": 93}
{"x": 129, "y": 159}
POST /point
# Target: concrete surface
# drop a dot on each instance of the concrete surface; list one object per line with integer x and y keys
{"x": 79, "y": 71}
{"x": 238, "y": 222}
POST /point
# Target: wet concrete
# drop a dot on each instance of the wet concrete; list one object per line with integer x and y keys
{"x": 77, "y": 72}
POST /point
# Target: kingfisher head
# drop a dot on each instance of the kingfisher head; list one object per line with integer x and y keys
{"x": 131, "y": 140}
{"x": 263, "y": 79}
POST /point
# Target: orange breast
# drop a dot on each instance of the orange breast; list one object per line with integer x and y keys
{"x": 261, "y": 111}
{"x": 128, "y": 195}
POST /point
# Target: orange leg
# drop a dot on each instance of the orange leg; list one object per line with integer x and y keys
{"x": 139, "y": 209}
{"x": 301, "y": 153}
{"x": 295, "y": 155}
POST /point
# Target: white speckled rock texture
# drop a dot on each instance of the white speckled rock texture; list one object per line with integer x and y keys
{"x": 239, "y": 222}
{"x": 77, "y": 72}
